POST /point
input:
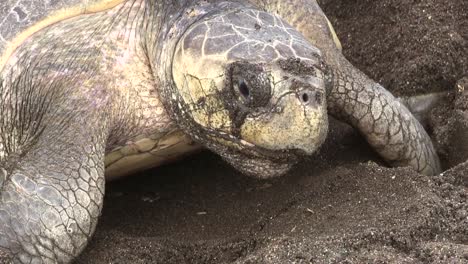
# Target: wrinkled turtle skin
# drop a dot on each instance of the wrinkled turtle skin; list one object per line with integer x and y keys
{"x": 98, "y": 89}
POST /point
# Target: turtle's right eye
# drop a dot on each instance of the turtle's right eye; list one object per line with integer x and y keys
{"x": 243, "y": 89}
{"x": 249, "y": 84}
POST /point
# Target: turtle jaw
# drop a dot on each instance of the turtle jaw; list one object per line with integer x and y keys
{"x": 259, "y": 167}
{"x": 258, "y": 162}
{"x": 293, "y": 125}
{"x": 281, "y": 142}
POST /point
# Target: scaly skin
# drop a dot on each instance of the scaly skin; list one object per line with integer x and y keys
{"x": 64, "y": 102}
{"x": 67, "y": 101}
{"x": 81, "y": 87}
{"x": 388, "y": 125}
{"x": 354, "y": 98}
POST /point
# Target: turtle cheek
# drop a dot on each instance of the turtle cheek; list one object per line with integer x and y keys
{"x": 294, "y": 124}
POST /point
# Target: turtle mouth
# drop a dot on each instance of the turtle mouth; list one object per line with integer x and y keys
{"x": 263, "y": 163}
{"x": 254, "y": 160}
{"x": 280, "y": 156}
{"x": 251, "y": 159}
{"x": 236, "y": 144}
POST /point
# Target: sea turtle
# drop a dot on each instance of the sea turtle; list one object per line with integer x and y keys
{"x": 91, "y": 88}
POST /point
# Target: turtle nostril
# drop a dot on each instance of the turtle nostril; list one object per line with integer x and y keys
{"x": 311, "y": 97}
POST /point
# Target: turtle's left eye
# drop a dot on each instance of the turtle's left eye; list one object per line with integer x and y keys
{"x": 243, "y": 89}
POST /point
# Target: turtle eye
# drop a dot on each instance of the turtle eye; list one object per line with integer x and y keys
{"x": 243, "y": 89}
{"x": 249, "y": 84}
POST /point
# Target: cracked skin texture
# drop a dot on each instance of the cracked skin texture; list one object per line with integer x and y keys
{"x": 84, "y": 85}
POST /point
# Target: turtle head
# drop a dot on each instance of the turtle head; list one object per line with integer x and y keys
{"x": 251, "y": 88}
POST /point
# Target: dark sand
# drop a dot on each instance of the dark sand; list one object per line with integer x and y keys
{"x": 342, "y": 205}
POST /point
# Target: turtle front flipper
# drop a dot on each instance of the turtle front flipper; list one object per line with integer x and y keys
{"x": 387, "y": 124}
{"x": 353, "y": 97}
{"x": 51, "y": 199}
{"x": 422, "y": 105}
{"x": 51, "y": 177}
